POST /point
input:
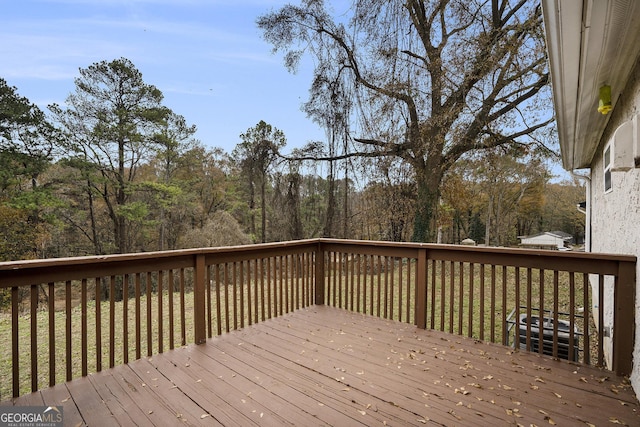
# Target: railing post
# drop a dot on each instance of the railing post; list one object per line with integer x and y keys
{"x": 420, "y": 311}
{"x": 624, "y": 318}
{"x": 199, "y": 287}
{"x": 319, "y": 277}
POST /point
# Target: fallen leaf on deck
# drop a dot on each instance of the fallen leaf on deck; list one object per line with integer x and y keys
{"x": 456, "y": 416}
{"x": 362, "y": 412}
{"x": 203, "y": 416}
{"x": 557, "y": 395}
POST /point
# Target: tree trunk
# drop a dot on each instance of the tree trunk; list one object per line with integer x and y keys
{"x": 330, "y": 215}
{"x": 428, "y": 187}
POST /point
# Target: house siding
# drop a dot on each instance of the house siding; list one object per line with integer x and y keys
{"x": 615, "y": 218}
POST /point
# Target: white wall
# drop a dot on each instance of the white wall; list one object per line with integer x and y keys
{"x": 616, "y": 215}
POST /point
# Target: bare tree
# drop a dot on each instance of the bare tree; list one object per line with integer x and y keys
{"x": 433, "y": 80}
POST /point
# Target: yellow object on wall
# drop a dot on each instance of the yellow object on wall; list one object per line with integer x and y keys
{"x": 604, "y": 104}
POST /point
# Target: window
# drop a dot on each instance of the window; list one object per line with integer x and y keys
{"x": 607, "y": 169}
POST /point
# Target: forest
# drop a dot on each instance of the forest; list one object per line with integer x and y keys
{"x": 435, "y": 131}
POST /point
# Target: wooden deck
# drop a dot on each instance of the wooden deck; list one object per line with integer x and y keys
{"x": 326, "y": 366}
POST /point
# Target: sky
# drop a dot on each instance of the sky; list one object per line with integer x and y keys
{"x": 206, "y": 56}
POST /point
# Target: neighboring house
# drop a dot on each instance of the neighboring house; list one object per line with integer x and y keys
{"x": 593, "y": 48}
{"x": 553, "y": 240}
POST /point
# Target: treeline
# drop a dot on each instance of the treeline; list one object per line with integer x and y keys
{"x": 116, "y": 171}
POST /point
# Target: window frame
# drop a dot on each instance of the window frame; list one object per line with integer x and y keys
{"x": 607, "y": 162}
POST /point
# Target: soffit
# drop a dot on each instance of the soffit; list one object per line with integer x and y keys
{"x": 591, "y": 43}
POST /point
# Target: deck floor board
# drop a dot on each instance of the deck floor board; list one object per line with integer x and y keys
{"x": 327, "y": 366}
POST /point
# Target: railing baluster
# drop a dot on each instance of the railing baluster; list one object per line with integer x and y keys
{"x": 433, "y": 264}
{"x": 378, "y": 284}
{"x": 452, "y": 292}
{"x": 555, "y": 316}
{"x": 368, "y": 261}
{"x": 125, "y": 318}
{"x": 400, "y": 286}
{"x": 517, "y": 305}
{"x": 68, "y": 329}
{"x": 33, "y": 312}
{"x": 386, "y": 287}
{"x": 262, "y": 291}
{"x": 280, "y": 262}
{"x": 216, "y": 275}
{"x": 529, "y": 313}
{"x": 269, "y": 288}
{"x": 471, "y": 290}
{"x": 51, "y": 307}
{"x": 505, "y": 308}
{"x": 159, "y": 292}
{"x": 15, "y": 354}
{"x": 600, "y": 320}
{"x": 492, "y": 321}
{"x": 234, "y": 283}
{"x": 572, "y": 316}
{"x": 305, "y": 289}
{"x": 242, "y": 299}
{"x": 224, "y": 283}
{"x": 482, "y": 302}
{"x": 137, "y": 316}
{"x": 98, "y": 292}
{"x": 541, "y": 272}
{"x": 443, "y": 299}
{"x": 460, "y": 294}
{"x": 209, "y": 283}
{"x": 287, "y": 283}
{"x": 415, "y": 286}
{"x": 586, "y": 288}
{"x": 149, "y": 315}
{"x": 83, "y": 326}
{"x": 183, "y": 320}
{"x": 255, "y": 291}
{"x": 171, "y": 284}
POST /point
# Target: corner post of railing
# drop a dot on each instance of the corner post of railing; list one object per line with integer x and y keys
{"x": 624, "y": 317}
{"x": 199, "y": 288}
{"x": 420, "y": 311}
{"x": 319, "y": 278}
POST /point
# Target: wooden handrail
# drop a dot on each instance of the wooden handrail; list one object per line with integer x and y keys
{"x": 459, "y": 289}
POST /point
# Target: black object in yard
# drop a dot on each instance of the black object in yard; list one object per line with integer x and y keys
{"x": 564, "y": 347}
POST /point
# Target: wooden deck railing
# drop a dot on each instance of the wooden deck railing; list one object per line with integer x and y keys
{"x": 66, "y": 318}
